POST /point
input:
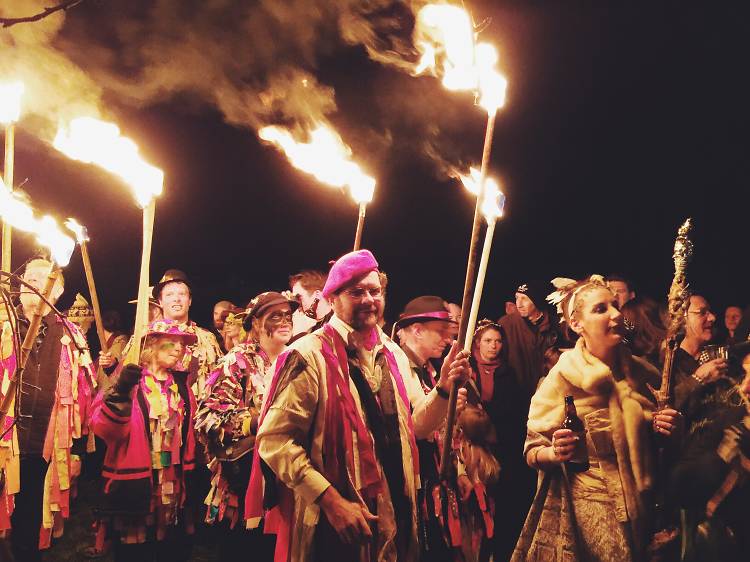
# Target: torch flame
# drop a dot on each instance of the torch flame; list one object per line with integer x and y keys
{"x": 97, "y": 142}
{"x": 78, "y": 229}
{"x": 19, "y": 215}
{"x": 493, "y": 200}
{"x": 10, "y": 102}
{"x": 326, "y": 157}
{"x": 445, "y": 33}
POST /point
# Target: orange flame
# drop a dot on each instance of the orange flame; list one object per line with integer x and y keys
{"x": 97, "y": 142}
{"x": 326, "y": 157}
{"x": 445, "y": 38}
{"x": 80, "y": 231}
{"x": 10, "y": 102}
{"x": 493, "y": 200}
{"x": 19, "y": 215}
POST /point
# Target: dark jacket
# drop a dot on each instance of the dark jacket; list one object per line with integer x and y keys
{"x": 526, "y": 343}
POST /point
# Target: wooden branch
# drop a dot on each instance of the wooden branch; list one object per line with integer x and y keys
{"x": 62, "y": 6}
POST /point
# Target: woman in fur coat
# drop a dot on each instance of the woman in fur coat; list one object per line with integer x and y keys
{"x": 600, "y": 513}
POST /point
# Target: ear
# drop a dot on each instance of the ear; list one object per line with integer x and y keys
{"x": 318, "y": 295}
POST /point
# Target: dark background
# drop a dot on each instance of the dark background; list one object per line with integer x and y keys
{"x": 620, "y": 121}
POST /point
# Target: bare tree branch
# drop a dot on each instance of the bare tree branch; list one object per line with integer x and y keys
{"x": 62, "y": 6}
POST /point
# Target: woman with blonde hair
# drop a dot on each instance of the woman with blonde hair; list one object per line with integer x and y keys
{"x": 599, "y": 513}
{"x": 146, "y": 419}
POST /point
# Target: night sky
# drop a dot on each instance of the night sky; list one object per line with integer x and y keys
{"x": 621, "y": 120}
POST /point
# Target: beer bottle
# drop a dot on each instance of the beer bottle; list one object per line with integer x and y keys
{"x": 579, "y": 462}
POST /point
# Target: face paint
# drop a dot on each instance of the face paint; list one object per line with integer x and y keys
{"x": 276, "y": 319}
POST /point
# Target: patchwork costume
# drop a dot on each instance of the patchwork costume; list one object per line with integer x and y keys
{"x": 40, "y": 451}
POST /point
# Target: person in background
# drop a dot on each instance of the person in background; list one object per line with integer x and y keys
{"x": 730, "y": 333}
{"x": 306, "y": 287}
{"x": 81, "y": 314}
{"x": 621, "y": 287}
{"x": 221, "y": 309}
{"x": 494, "y": 387}
{"x": 644, "y": 332}
{"x": 529, "y": 333}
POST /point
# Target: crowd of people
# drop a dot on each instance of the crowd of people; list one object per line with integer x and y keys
{"x": 302, "y": 426}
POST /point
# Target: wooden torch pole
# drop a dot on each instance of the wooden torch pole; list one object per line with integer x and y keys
{"x": 141, "y": 313}
{"x": 360, "y": 226}
{"x": 467, "y": 296}
{"x": 94, "y": 296}
{"x": 10, "y": 135}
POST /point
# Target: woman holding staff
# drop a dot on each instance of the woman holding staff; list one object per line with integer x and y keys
{"x": 600, "y": 513}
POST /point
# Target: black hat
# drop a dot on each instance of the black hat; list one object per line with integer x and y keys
{"x": 170, "y": 276}
{"x": 537, "y": 292}
{"x": 423, "y": 309}
{"x": 261, "y": 303}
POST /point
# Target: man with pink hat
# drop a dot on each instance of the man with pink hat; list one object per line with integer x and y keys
{"x": 339, "y": 429}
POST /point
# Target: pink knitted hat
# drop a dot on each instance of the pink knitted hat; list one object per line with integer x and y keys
{"x": 348, "y": 268}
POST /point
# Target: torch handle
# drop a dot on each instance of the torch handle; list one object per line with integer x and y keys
{"x": 94, "y": 296}
{"x": 10, "y": 135}
{"x": 28, "y": 343}
{"x": 141, "y": 313}
{"x": 360, "y": 226}
{"x": 471, "y": 267}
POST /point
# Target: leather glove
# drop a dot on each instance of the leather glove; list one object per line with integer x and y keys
{"x": 129, "y": 377}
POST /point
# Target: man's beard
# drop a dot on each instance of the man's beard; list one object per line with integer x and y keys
{"x": 364, "y": 317}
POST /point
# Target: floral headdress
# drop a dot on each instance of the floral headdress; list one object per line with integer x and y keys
{"x": 567, "y": 290}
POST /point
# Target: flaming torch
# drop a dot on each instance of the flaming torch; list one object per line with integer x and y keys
{"x": 92, "y": 141}
{"x": 18, "y": 214}
{"x": 493, "y": 202}
{"x": 10, "y": 111}
{"x": 82, "y": 236}
{"x": 327, "y": 158}
{"x": 490, "y": 202}
{"x": 445, "y": 35}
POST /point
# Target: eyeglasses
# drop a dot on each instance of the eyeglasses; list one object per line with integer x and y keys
{"x": 703, "y": 312}
{"x": 359, "y": 293}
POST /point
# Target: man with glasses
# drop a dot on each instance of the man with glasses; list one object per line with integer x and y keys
{"x": 697, "y": 382}
{"x": 339, "y": 430}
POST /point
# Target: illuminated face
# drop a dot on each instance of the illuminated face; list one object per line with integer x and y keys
{"x": 303, "y": 296}
{"x": 361, "y": 304}
{"x": 169, "y": 351}
{"x": 36, "y": 274}
{"x": 732, "y": 317}
{"x": 490, "y": 344}
{"x": 175, "y": 301}
{"x": 276, "y": 324}
{"x": 621, "y": 291}
{"x": 433, "y": 337}
{"x": 700, "y": 320}
{"x": 525, "y": 306}
{"x": 598, "y": 318}
{"x": 218, "y": 320}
